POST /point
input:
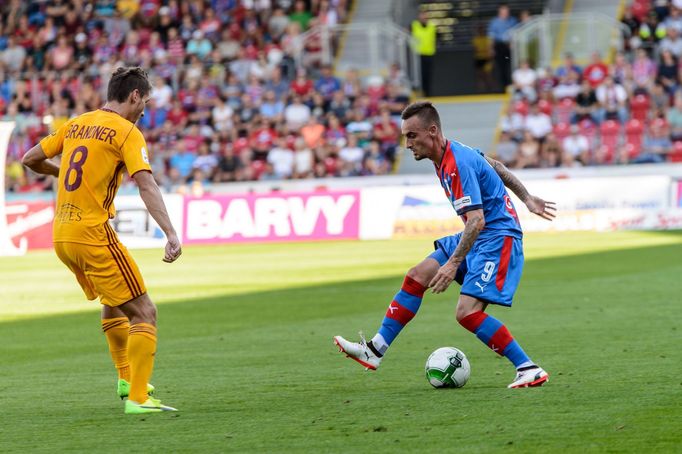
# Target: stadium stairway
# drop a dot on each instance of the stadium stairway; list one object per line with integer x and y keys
{"x": 353, "y": 53}
{"x": 607, "y": 7}
{"x": 610, "y": 8}
{"x": 471, "y": 120}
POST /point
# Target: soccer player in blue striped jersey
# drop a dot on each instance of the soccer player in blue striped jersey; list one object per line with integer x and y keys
{"x": 486, "y": 258}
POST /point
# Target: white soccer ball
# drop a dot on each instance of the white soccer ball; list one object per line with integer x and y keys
{"x": 447, "y": 367}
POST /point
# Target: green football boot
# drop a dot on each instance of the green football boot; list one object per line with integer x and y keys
{"x": 151, "y": 405}
{"x": 123, "y": 388}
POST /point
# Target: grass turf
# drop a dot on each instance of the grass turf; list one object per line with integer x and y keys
{"x": 245, "y": 352}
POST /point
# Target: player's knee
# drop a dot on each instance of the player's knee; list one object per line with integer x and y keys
{"x": 140, "y": 310}
{"x": 418, "y": 274}
{"x": 462, "y": 312}
{"x": 149, "y": 312}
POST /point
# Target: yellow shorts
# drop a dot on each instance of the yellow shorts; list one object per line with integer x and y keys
{"x": 106, "y": 271}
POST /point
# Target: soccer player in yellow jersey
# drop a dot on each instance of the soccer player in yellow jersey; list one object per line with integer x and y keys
{"x": 96, "y": 148}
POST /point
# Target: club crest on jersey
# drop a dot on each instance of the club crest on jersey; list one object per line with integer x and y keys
{"x": 510, "y": 207}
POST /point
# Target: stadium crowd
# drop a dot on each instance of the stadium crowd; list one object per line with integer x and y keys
{"x": 625, "y": 111}
{"x": 232, "y": 99}
{"x": 240, "y": 92}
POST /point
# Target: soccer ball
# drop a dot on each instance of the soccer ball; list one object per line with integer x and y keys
{"x": 447, "y": 367}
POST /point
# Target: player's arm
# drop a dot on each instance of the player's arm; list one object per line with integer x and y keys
{"x": 536, "y": 205}
{"x": 475, "y": 222}
{"x": 36, "y": 160}
{"x": 151, "y": 196}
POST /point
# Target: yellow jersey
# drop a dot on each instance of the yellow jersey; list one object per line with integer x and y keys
{"x": 96, "y": 148}
{"x": 425, "y": 36}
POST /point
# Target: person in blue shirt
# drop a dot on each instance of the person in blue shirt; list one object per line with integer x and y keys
{"x": 327, "y": 84}
{"x": 499, "y": 31}
{"x": 486, "y": 258}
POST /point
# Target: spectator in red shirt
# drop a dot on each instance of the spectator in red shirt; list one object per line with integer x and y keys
{"x": 193, "y": 139}
{"x": 176, "y": 47}
{"x": 262, "y": 138}
{"x": 210, "y": 25}
{"x": 302, "y": 86}
{"x": 386, "y": 131}
{"x": 596, "y": 71}
{"x": 177, "y": 116}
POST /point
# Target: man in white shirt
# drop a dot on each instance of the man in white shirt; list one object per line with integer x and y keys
{"x": 162, "y": 94}
{"x": 612, "y": 98}
{"x": 303, "y": 160}
{"x": 351, "y": 156}
{"x": 538, "y": 123}
{"x": 296, "y": 114}
{"x": 671, "y": 42}
{"x": 524, "y": 78}
{"x": 576, "y": 147}
{"x": 282, "y": 159}
{"x": 568, "y": 86}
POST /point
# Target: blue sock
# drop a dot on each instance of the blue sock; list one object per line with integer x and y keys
{"x": 402, "y": 309}
{"x": 496, "y": 336}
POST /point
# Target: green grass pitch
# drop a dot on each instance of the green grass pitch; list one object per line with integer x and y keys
{"x": 246, "y": 354}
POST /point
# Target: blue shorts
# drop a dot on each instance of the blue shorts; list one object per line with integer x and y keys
{"x": 492, "y": 269}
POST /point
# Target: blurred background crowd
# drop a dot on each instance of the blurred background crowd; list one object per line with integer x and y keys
{"x": 229, "y": 103}
{"x": 233, "y": 100}
{"x": 617, "y": 109}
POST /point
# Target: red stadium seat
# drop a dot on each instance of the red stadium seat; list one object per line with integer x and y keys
{"x": 564, "y": 110}
{"x": 639, "y": 107}
{"x": 257, "y": 167}
{"x": 659, "y": 123}
{"x": 545, "y": 107}
{"x": 610, "y": 136}
{"x": 634, "y": 130}
{"x": 561, "y": 131}
{"x": 676, "y": 154}
{"x": 521, "y": 107}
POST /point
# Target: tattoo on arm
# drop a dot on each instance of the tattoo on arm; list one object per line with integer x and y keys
{"x": 509, "y": 179}
{"x": 471, "y": 231}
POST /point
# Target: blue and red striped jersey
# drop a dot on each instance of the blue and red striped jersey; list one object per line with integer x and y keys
{"x": 471, "y": 183}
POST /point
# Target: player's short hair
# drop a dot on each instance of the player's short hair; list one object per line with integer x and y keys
{"x": 426, "y": 112}
{"x": 126, "y": 79}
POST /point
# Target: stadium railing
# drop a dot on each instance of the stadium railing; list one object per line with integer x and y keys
{"x": 380, "y": 45}
{"x": 545, "y": 39}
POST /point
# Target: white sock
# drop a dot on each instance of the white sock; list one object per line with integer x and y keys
{"x": 526, "y": 364}
{"x": 379, "y": 343}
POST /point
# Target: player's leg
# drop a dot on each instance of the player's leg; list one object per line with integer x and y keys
{"x": 401, "y": 310}
{"x": 121, "y": 287}
{"x": 403, "y": 307}
{"x": 493, "y": 276}
{"x": 471, "y": 315}
{"x": 141, "y": 349}
{"x": 141, "y": 343}
{"x": 115, "y": 326}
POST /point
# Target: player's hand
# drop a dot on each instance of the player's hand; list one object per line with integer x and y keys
{"x": 173, "y": 249}
{"x": 544, "y": 209}
{"x": 443, "y": 278}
